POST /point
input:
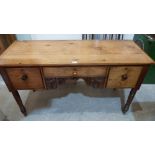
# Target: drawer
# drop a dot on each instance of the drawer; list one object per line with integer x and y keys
{"x": 123, "y": 77}
{"x": 25, "y": 78}
{"x": 74, "y": 71}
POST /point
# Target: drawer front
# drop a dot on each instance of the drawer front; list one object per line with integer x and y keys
{"x": 123, "y": 77}
{"x": 74, "y": 71}
{"x": 25, "y": 78}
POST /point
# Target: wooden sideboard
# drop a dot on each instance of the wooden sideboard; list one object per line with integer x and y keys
{"x": 37, "y": 65}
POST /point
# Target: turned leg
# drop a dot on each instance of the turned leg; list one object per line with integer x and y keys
{"x": 19, "y": 102}
{"x": 125, "y": 108}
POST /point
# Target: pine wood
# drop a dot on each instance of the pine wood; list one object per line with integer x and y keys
{"x": 47, "y": 64}
{"x": 33, "y": 81}
{"x": 116, "y": 74}
{"x": 60, "y": 53}
{"x": 74, "y": 71}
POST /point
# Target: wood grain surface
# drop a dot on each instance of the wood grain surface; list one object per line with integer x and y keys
{"x": 123, "y": 77}
{"x": 33, "y": 78}
{"x": 71, "y": 53}
{"x": 74, "y": 71}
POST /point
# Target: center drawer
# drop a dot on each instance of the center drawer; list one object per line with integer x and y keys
{"x": 74, "y": 71}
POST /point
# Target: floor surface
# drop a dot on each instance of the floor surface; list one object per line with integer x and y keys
{"x": 78, "y": 103}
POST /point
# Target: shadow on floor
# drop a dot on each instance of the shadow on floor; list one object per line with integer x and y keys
{"x": 44, "y": 98}
{"x": 79, "y": 98}
{"x": 143, "y": 111}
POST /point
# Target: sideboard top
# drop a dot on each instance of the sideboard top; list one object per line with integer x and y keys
{"x": 57, "y": 53}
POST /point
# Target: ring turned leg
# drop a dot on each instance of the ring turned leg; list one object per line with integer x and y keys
{"x": 125, "y": 108}
{"x": 19, "y": 102}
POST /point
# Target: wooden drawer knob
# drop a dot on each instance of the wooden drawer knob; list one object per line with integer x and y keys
{"x": 24, "y": 77}
{"x": 74, "y": 73}
{"x": 124, "y": 77}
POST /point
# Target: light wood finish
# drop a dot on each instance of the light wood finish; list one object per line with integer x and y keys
{"x": 123, "y": 77}
{"x": 74, "y": 71}
{"x": 25, "y": 78}
{"x": 60, "y": 53}
{"x": 48, "y": 64}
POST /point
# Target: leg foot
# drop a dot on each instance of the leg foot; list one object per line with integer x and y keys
{"x": 19, "y": 102}
{"x": 125, "y": 108}
{"x": 23, "y": 110}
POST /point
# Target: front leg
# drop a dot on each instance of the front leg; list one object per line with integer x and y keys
{"x": 19, "y": 102}
{"x": 125, "y": 108}
{"x": 13, "y": 90}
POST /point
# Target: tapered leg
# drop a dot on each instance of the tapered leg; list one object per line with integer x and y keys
{"x": 19, "y": 102}
{"x": 125, "y": 108}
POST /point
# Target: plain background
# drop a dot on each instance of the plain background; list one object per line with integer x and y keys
{"x": 59, "y": 36}
{"x": 77, "y": 17}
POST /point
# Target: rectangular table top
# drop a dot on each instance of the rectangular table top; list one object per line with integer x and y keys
{"x": 84, "y": 52}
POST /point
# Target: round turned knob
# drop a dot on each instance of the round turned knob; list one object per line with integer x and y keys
{"x": 24, "y": 77}
{"x": 124, "y": 77}
{"x": 74, "y": 73}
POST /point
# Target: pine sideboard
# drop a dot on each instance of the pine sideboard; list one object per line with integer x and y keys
{"x": 34, "y": 65}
